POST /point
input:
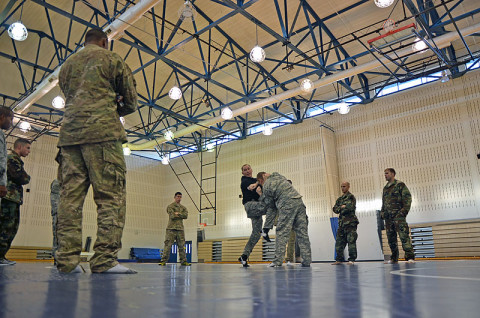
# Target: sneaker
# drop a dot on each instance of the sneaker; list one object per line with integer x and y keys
{"x": 162, "y": 263}
{"x": 265, "y": 235}
{"x": 119, "y": 269}
{"x": 186, "y": 264}
{"x": 351, "y": 263}
{"x": 274, "y": 265}
{"x": 411, "y": 261}
{"x": 391, "y": 262}
{"x": 337, "y": 263}
{"x": 6, "y": 262}
{"x": 243, "y": 259}
{"x": 290, "y": 263}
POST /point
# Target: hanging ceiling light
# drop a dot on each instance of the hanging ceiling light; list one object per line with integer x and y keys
{"x": 122, "y": 120}
{"x": 165, "y": 160}
{"x": 343, "y": 108}
{"x": 24, "y": 126}
{"x": 445, "y": 77}
{"x": 267, "y": 130}
{"x": 306, "y": 85}
{"x": 127, "y": 151}
{"x": 169, "y": 135}
{"x": 175, "y": 93}
{"x": 227, "y": 113}
{"x": 257, "y": 54}
{"x": 187, "y": 11}
{"x": 18, "y": 31}
{"x": 419, "y": 45}
{"x": 383, "y": 3}
{"x": 58, "y": 102}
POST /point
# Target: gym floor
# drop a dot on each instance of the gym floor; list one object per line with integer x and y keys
{"x": 367, "y": 289}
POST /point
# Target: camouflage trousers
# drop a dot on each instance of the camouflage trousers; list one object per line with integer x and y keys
{"x": 291, "y": 248}
{"x": 271, "y": 218}
{"x": 294, "y": 217}
{"x": 9, "y": 222}
{"x": 54, "y": 231}
{"x": 255, "y": 208}
{"x": 346, "y": 234}
{"x": 255, "y": 236}
{"x": 392, "y": 226}
{"x": 170, "y": 237}
{"x": 101, "y": 165}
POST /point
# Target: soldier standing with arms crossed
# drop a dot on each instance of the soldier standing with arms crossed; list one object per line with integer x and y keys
{"x": 396, "y": 202}
{"x": 10, "y": 206}
{"x": 175, "y": 232}
{"x": 93, "y": 80}
{"x": 347, "y": 225}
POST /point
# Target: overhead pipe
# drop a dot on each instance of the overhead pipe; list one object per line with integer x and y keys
{"x": 114, "y": 31}
{"x": 441, "y": 42}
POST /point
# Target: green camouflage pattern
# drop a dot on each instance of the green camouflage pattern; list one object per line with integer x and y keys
{"x": 346, "y": 214}
{"x": 256, "y": 233}
{"x": 280, "y": 194}
{"x": 9, "y": 222}
{"x": 101, "y": 165}
{"x": 346, "y": 234}
{"x": 17, "y": 178}
{"x": 3, "y": 159}
{"x": 396, "y": 200}
{"x": 175, "y": 222}
{"x": 396, "y": 203}
{"x": 54, "y": 202}
{"x": 170, "y": 237}
{"x": 91, "y": 79}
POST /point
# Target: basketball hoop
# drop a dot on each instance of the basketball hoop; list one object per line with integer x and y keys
{"x": 393, "y": 34}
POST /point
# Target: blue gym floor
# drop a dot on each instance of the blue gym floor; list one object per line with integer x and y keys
{"x": 425, "y": 289}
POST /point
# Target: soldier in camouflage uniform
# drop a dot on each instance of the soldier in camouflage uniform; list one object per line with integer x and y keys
{"x": 175, "y": 232}
{"x": 93, "y": 80}
{"x": 396, "y": 202}
{"x": 10, "y": 206}
{"x": 6, "y": 118}
{"x": 254, "y": 209}
{"x": 347, "y": 225}
{"x": 278, "y": 193}
{"x": 54, "y": 200}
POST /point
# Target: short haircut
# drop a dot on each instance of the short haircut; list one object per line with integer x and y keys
{"x": 95, "y": 35}
{"x": 391, "y": 170}
{"x": 6, "y": 112}
{"x": 21, "y": 142}
{"x": 177, "y": 193}
{"x": 260, "y": 175}
{"x": 245, "y": 165}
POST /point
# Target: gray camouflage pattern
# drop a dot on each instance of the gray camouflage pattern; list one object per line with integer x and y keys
{"x": 3, "y": 159}
{"x": 54, "y": 202}
{"x": 279, "y": 193}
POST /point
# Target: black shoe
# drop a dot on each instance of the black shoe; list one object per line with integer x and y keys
{"x": 265, "y": 234}
{"x": 243, "y": 259}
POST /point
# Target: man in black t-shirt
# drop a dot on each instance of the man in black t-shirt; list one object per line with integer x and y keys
{"x": 254, "y": 210}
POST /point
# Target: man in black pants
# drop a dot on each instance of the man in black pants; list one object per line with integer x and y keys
{"x": 254, "y": 210}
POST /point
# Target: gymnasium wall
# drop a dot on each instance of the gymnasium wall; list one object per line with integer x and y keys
{"x": 429, "y": 134}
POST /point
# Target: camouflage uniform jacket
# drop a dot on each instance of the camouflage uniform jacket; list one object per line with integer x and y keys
{"x": 90, "y": 81}
{"x": 176, "y": 222}
{"x": 346, "y": 214}
{"x": 3, "y": 159}
{"x": 17, "y": 177}
{"x": 396, "y": 200}
{"x": 278, "y": 192}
